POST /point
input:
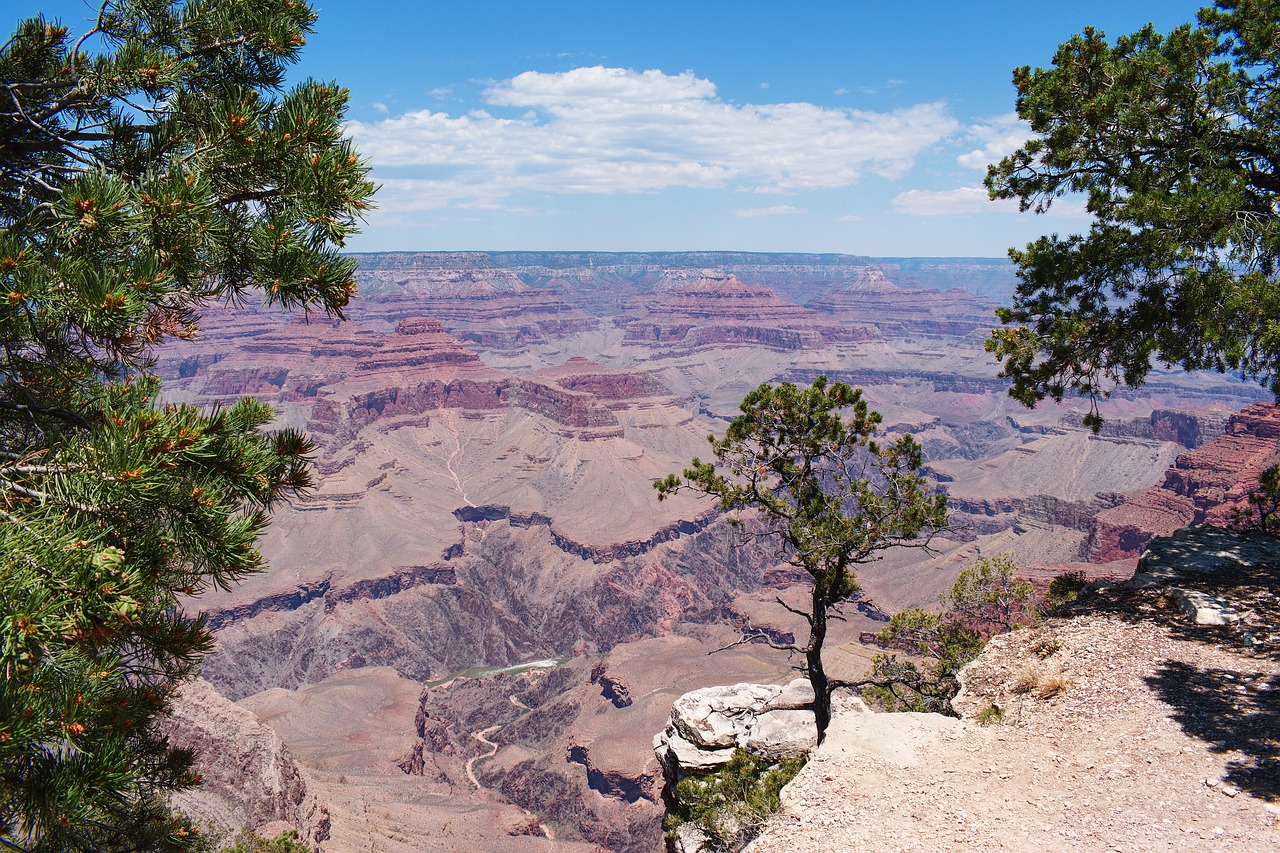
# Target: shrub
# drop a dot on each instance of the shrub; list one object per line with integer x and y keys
{"x": 1047, "y": 647}
{"x": 991, "y": 715}
{"x": 987, "y": 598}
{"x": 212, "y": 838}
{"x": 1066, "y": 588}
{"x": 730, "y": 806}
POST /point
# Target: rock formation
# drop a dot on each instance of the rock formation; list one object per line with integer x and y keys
{"x": 1158, "y": 729}
{"x": 1202, "y": 485}
{"x": 248, "y": 776}
{"x": 719, "y": 310}
{"x": 708, "y": 725}
{"x": 872, "y": 301}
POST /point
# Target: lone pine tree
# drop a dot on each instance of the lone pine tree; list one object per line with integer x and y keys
{"x": 148, "y": 167}
{"x": 827, "y": 492}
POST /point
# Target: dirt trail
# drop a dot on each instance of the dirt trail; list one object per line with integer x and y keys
{"x": 482, "y": 736}
{"x": 450, "y": 419}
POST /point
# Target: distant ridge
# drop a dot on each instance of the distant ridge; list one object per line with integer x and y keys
{"x": 783, "y": 272}
{"x": 677, "y": 259}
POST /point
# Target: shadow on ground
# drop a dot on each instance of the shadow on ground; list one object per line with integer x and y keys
{"x": 1236, "y": 713}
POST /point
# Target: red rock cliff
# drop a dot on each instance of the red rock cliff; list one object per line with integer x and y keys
{"x": 1204, "y": 485}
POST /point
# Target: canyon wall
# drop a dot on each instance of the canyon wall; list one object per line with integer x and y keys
{"x": 489, "y": 426}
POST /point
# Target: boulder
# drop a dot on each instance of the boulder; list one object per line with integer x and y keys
{"x": 707, "y": 725}
{"x": 679, "y": 757}
{"x": 782, "y": 734}
{"x": 720, "y": 717}
{"x": 1204, "y": 609}
{"x": 797, "y": 694}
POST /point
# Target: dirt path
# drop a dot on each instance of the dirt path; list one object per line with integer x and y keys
{"x": 1157, "y": 742}
{"x": 482, "y": 736}
{"x": 450, "y": 418}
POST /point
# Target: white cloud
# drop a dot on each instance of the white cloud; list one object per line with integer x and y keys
{"x": 947, "y": 202}
{"x": 777, "y": 210}
{"x": 998, "y": 138}
{"x": 851, "y": 217}
{"x": 379, "y": 107}
{"x": 615, "y": 130}
{"x": 841, "y": 91}
{"x": 966, "y": 200}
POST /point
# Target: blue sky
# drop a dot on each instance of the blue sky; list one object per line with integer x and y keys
{"x": 859, "y": 127}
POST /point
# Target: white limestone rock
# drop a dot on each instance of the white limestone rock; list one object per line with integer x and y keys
{"x": 719, "y": 717}
{"x": 680, "y": 757}
{"x": 1204, "y": 609}
{"x": 782, "y": 734}
{"x": 795, "y": 696}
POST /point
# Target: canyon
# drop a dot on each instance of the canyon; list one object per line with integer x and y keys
{"x": 475, "y": 624}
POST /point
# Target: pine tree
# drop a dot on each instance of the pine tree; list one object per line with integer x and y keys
{"x": 825, "y": 490}
{"x": 148, "y": 167}
{"x": 1172, "y": 141}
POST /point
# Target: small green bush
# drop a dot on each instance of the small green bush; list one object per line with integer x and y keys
{"x": 730, "y": 805}
{"x": 1066, "y": 588}
{"x": 991, "y": 715}
{"x": 1047, "y": 647}
{"x": 248, "y": 841}
{"x": 988, "y": 598}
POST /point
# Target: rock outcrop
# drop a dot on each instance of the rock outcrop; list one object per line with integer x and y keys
{"x": 1204, "y": 485}
{"x": 707, "y": 726}
{"x": 248, "y": 776}
{"x": 1158, "y": 728}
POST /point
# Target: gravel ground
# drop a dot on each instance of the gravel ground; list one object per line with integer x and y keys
{"x": 1121, "y": 731}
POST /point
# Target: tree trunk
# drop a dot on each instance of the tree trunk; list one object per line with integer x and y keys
{"x": 813, "y": 663}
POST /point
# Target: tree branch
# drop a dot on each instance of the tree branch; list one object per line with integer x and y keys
{"x": 807, "y": 616}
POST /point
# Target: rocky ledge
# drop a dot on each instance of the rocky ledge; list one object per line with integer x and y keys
{"x": 248, "y": 776}
{"x": 708, "y": 725}
{"x": 1129, "y": 725}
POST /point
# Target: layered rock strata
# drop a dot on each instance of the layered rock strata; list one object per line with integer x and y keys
{"x": 874, "y": 302}
{"x": 716, "y": 309}
{"x": 484, "y": 500}
{"x": 490, "y": 306}
{"x": 1205, "y": 485}
{"x": 488, "y": 614}
{"x": 248, "y": 776}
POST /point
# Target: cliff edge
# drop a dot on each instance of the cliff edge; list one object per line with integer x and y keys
{"x": 249, "y": 777}
{"x": 1125, "y": 726}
